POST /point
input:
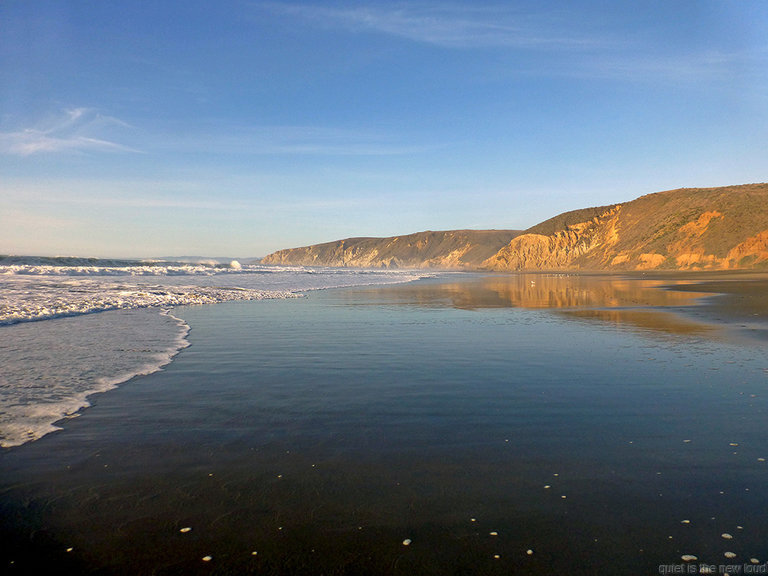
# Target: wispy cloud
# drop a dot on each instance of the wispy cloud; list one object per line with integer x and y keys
{"x": 195, "y": 194}
{"x": 144, "y": 194}
{"x": 574, "y": 41}
{"x": 225, "y": 137}
{"x": 674, "y": 68}
{"x": 73, "y": 130}
{"x": 446, "y": 25}
{"x": 313, "y": 140}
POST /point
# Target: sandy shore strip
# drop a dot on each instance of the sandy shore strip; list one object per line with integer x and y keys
{"x": 739, "y": 299}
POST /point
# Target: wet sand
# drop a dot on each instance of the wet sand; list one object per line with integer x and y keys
{"x": 185, "y": 472}
{"x": 739, "y": 300}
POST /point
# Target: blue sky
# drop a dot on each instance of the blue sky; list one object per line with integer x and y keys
{"x": 235, "y": 128}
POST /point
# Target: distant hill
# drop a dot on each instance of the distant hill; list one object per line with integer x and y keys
{"x": 452, "y": 249}
{"x": 686, "y": 229}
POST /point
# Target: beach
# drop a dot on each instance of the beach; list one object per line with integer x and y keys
{"x": 458, "y": 424}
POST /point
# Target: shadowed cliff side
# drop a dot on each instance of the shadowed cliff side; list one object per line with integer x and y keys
{"x": 687, "y": 229}
{"x": 446, "y": 250}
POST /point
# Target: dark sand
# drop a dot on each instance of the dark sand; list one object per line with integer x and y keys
{"x": 112, "y": 493}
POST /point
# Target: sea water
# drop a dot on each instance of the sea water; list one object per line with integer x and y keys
{"x": 55, "y": 351}
{"x": 464, "y": 425}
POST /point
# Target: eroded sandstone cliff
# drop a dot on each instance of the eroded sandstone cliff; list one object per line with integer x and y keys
{"x": 687, "y": 229}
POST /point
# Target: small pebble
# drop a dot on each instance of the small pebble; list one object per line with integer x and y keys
{"x": 689, "y": 558}
{"x": 754, "y": 561}
{"x": 726, "y": 536}
{"x": 496, "y": 556}
{"x": 685, "y": 521}
{"x": 494, "y": 533}
{"x": 407, "y": 542}
{"x": 730, "y": 555}
{"x": 529, "y": 552}
{"x": 185, "y": 529}
{"x": 547, "y": 487}
{"x": 207, "y": 558}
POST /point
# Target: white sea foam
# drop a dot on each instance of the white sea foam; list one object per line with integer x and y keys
{"x": 35, "y": 298}
{"x": 50, "y": 368}
{"x": 35, "y": 291}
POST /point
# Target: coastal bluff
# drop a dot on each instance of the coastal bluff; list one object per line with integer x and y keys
{"x": 453, "y": 249}
{"x": 723, "y": 228}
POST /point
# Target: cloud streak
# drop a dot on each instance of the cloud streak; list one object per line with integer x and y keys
{"x": 299, "y": 140}
{"x": 446, "y": 25}
{"x": 74, "y": 130}
{"x": 575, "y": 43}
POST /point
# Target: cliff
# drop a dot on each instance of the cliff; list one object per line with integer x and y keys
{"x": 447, "y": 250}
{"x": 687, "y": 229}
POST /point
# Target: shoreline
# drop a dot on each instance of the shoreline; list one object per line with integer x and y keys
{"x": 736, "y": 302}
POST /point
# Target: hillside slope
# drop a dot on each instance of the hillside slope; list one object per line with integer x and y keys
{"x": 686, "y": 229}
{"x": 450, "y": 249}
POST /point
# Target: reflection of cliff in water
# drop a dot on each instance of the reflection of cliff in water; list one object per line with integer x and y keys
{"x": 566, "y": 291}
{"x": 646, "y": 304}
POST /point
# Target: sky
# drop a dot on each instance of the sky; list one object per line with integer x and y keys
{"x": 236, "y": 128}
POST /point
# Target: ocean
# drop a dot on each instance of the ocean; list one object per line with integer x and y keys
{"x": 381, "y": 422}
{"x": 50, "y": 368}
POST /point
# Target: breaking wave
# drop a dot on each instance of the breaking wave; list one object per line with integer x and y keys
{"x": 56, "y": 351}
